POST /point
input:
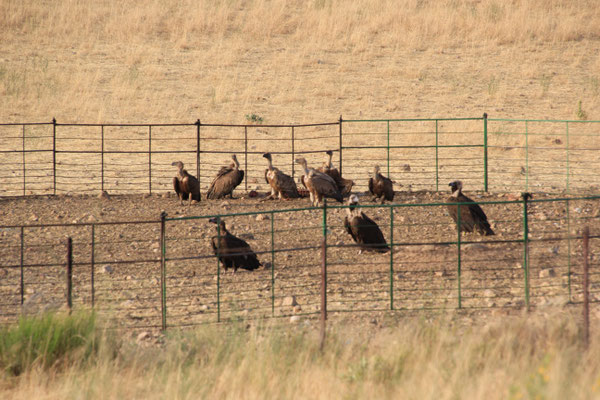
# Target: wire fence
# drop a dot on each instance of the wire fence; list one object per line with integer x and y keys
{"x": 164, "y": 273}
{"x": 420, "y": 154}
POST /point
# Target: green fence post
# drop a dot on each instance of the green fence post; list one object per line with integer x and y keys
{"x": 485, "y": 152}
{"x": 526, "y": 248}
{"x": 437, "y": 177}
{"x": 388, "y": 148}
{"x": 272, "y": 265}
{"x": 391, "y": 257}
{"x": 568, "y": 249}
{"x": 163, "y": 268}
{"x": 198, "y": 123}
{"x": 567, "y": 144}
{"x": 340, "y": 145}
{"x": 324, "y": 260}
{"x": 458, "y": 272}
{"x": 22, "y": 260}
{"x": 218, "y": 270}
{"x": 526, "y": 155}
{"x": 92, "y": 262}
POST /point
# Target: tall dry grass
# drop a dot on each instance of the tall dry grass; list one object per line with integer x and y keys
{"x": 296, "y": 61}
{"x": 523, "y": 357}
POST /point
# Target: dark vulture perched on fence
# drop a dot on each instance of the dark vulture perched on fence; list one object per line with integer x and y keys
{"x": 282, "y": 185}
{"x": 344, "y": 185}
{"x": 364, "y": 231}
{"x": 227, "y": 179}
{"x": 232, "y": 251}
{"x": 186, "y": 186}
{"x": 318, "y": 184}
{"x": 381, "y": 187}
{"x": 472, "y": 216}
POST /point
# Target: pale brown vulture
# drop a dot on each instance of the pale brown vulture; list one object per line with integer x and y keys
{"x": 344, "y": 185}
{"x": 319, "y": 185}
{"x": 472, "y": 216}
{"x": 185, "y": 185}
{"x": 381, "y": 187}
{"x": 232, "y": 251}
{"x": 282, "y": 185}
{"x": 227, "y": 179}
{"x": 364, "y": 231}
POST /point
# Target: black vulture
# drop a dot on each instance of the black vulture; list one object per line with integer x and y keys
{"x": 364, "y": 231}
{"x": 319, "y": 184}
{"x": 472, "y": 216}
{"x": 344, "y": 185}
{"x": 282, "y": 185}
{"x": 227, "y": 179}
{"x": 232, "y": 251}
{"x": 381, "y": 187}
{"x": 185, "y": 185}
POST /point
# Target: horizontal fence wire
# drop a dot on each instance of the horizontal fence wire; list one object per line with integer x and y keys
{"x": 165, "y": 273}
{"x": 417, "y": 153}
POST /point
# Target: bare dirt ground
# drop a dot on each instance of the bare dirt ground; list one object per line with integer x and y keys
{"x": 421, "y": 274}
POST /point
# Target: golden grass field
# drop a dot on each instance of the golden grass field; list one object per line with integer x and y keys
{"x": 297, "y": 61}
{"x": 294, "y": 61}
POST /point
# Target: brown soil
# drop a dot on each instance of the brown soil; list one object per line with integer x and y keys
{"x": 423, "y": 272}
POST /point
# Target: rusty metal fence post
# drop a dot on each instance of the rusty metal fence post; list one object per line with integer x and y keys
{"x": 54, "y": 152}
{"x": 586, "y": 283}
{"x": 24, "y": 169}
{"x": 197, "y": 123}
{"x": 150, "y": 159}
{"x": 69, "y": 274}
{"x": 163, "y": 275}
{"x": 92, "y": 262}
{"x": 341, "y": 146}
{"x": 246, "y": 157}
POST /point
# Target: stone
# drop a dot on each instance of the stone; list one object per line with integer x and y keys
{"x": 107, "y": 269}
{"x": 142, "y": 336}
{"x": 262, "y": 217}
{"x": 474, "y": 246}
{"x": 441, "y": 274}
{"x": 166, "y": 195}
{"x": 294, "y": 319}
{"x": 547, "y": 273}
{"x": 104, "y": 195}
{"x": 289, "y": 301}
{"x": 297, "y": 309}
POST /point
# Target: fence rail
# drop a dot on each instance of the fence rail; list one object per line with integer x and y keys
{"x": 164, "y": 272}
{"x": 486, "y": 153}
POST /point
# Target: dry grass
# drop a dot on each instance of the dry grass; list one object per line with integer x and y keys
{"x": 297, "y": 61}
{"x": 529, "y": 356}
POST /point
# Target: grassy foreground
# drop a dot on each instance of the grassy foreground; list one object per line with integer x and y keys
{"x": 522, "y": 357}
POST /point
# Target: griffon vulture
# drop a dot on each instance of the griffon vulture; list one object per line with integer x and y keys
{"x": 381, "y": 187}
{"x": 185, "y": 185}
{"x": 227, "y": 179}
{"x": 319, "y": 184}
{"x": 232, "y": 251}
{"x": 472, "y": 216}
{"x": 282, "y": 185}
{"x": 344, "y": 185}
{"x": 364, "y": 231}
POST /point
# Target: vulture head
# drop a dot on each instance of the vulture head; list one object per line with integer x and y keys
{"x": 456, "y": 187}
{"x": 236, "y": 164}
{"x": 301, "y": 161}
{"x": 268, "y": 156}
{"x": 329, "y": 153}
{"x": 352, "y": 203}
{"x": 376, "y": 170}
{"x": 177, "y": 164}
{"x": 221, "y": 224}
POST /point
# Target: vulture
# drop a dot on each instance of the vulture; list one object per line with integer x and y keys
{"x": 381, "y": 187}
{"x": 185, "y": 185}
{"x": 472, "y": 216}
{"x": 232, "y": 251}
{"x": 227, "y": 179}
{"x": 344, "y": 185}
{"x": 281, "y": 184}
{"x": 318, "y": 184}
{"x": 364, "y": 230}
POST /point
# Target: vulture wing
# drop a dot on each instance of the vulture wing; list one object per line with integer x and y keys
{"x": 286, "y": 185}
{"x": 370, "y": 234}
{"x": 371, "y": 186}
{"x": 326, "y": 186}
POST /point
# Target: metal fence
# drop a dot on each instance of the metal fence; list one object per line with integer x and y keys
{"x": 420, "y": 154}
{"x": 164, "y": 273}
